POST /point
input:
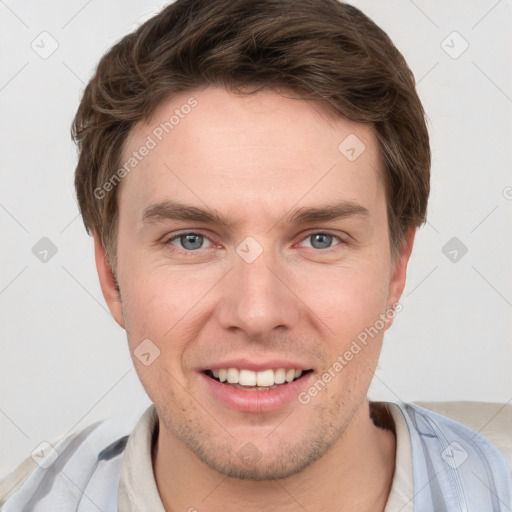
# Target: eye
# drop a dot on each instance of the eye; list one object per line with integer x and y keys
{"x": 192, "y": 241}
{"x": 189, "y": 241}
{"x": 322, "y": 240}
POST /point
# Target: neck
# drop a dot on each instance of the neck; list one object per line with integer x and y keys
{"x": 355, "y": 475}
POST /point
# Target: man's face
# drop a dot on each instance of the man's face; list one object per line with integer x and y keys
{"x": 260, "y": 288}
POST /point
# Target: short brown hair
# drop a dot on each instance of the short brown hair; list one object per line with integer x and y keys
{"x": 322, "y": 49}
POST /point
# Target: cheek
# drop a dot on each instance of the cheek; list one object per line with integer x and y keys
{"x": 163, "y": 303}
{"x": 346, "y": 298}
{"x": 156, "y": 308}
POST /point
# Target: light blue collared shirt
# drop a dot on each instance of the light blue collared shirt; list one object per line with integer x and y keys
{"x": 106, "y": 468}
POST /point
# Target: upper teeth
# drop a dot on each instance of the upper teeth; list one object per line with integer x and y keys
{"x": 250, "y": 378}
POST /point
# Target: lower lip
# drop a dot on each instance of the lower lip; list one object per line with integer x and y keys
{"x": 256, "y": 401}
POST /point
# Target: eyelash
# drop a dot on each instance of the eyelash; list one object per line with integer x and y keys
{"x": 308, "y": 235}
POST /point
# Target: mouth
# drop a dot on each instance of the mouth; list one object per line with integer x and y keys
{"x": 248, "y": 380}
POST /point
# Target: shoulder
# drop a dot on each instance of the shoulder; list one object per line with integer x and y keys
{"x": 76, "y": 455}
{"x": 491, "y": 420}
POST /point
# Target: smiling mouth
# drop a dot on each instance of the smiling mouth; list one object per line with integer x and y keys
{"x": 248, "y": 380}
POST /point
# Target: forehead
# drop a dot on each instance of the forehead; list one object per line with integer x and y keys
{"x": 212, "y": 146}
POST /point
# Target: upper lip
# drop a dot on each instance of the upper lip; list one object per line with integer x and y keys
{"x": 256, "y": 366}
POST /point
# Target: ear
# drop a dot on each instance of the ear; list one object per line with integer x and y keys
{"x": 399, "y": 268}
{"x": 107, "y": 281}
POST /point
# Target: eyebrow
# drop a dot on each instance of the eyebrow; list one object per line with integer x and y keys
{"x": 173, "y": 210}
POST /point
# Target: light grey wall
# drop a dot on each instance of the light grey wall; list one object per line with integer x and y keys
{"x": 64, "y": 362}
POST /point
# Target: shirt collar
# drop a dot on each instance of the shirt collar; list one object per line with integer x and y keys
{"x": 138, "y": 491}
{"x": 401, "y": 496}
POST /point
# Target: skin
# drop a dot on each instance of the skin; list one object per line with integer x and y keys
{"x": 254, "y": 160}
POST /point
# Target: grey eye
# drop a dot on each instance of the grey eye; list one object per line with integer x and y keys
{"x": 191, "y": 241}
{"x": 321, "y": 240}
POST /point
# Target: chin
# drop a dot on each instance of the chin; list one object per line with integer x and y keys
{"x": 265, "y": 468}
{"x": 273, "y": 459}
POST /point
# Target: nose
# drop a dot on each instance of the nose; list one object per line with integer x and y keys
{"x": 257, "y": 297}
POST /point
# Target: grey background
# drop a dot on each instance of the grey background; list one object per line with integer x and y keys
{"x": 64, "y": 361}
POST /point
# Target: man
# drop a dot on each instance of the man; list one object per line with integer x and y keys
{"x": 253, "y": 174}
